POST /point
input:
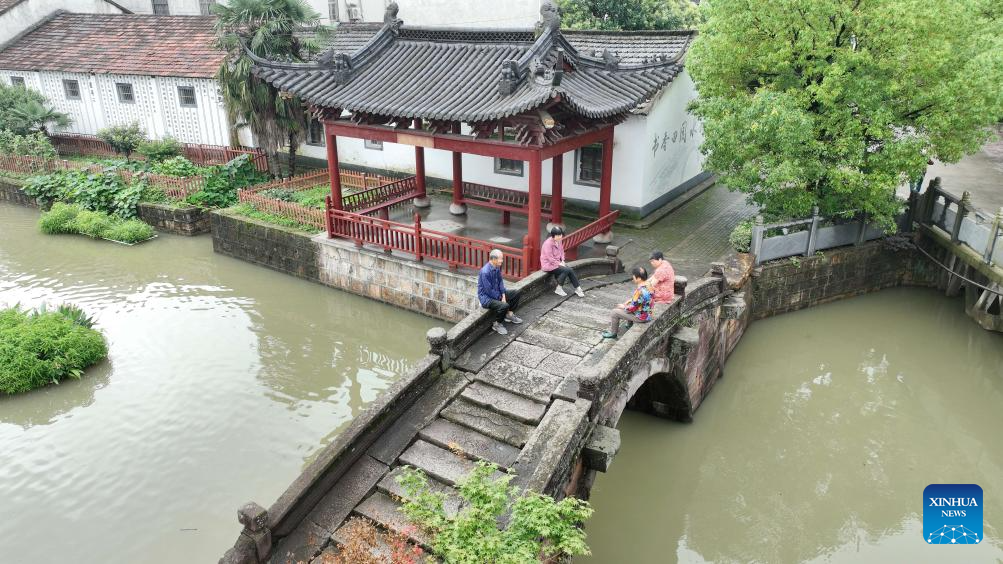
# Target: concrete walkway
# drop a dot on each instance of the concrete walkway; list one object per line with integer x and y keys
{"x": 981, "y": 174}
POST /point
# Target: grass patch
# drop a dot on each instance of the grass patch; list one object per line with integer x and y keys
{"x": 38, "y": 348}
{"x": 72, "y": 218}
{"x": 247, "y": 210}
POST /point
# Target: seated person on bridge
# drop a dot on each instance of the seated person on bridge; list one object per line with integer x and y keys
{"x": 662, "y": 281}
{"x": 552, "y": 261}
{"x": 638, "y": 308}
{"x": 492, "y": 294}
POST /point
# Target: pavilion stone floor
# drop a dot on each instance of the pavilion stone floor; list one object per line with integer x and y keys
{"x": 691, "y": 237}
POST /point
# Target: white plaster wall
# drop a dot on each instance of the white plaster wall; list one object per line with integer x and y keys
{"x": 678, "y": 135}
{"x": 471, "y": 13}
{"x": 27, "y": 14}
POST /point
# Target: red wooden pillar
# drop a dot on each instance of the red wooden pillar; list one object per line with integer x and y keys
{"x": 457, "y": 207}
{"x": 333, "y": 170}
{"x": 533, "y": 226}
{"x": 421, "y": 200}
{"x": 605, "y": 185}
{"x": 556, "y": 191}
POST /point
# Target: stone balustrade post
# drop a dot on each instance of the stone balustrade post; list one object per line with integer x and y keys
{"x": 756, "y": 245}
{"x": 254, "y": 545}
{"x": 994, "y": 233}
{"x": 813, "y": 233}
{"x": 438, "y": 344}
{"x": 964, "y": 206}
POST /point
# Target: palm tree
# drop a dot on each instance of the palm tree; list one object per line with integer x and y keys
{"x": 32, "y": 115}
{"x": 267, "y": 28}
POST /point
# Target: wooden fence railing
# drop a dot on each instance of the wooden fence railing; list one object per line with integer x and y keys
{"x": 291, "y": 210}
{"x": 350, "y": 180}
{"x": 77, "y": 144}
{"x": 32, "y": 165}
{"x": 381, "y": 198}
{"x": 508, "y": 201}
{"x": 580, "y": 236}
{"x": 453, "y": 250}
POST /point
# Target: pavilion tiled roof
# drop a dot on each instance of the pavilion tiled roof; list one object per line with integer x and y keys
{"x": 118, "y": 44}
{"x": 481, "y": 75}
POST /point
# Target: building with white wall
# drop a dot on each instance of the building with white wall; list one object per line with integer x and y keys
{"x": 105, "y": 70}
{"x": 16, "y": 16}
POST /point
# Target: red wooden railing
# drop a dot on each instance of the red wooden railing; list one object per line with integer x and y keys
{"x": 502, "y": 199}
{"x": 381, "y": 198}
{"x": 350, "y": 180}
{"x": 577, "y": 238}
{"x": 77, "y": 144}
{"x": 31, "y": 165}
{"x": 301, "y": 214}
{"x": 453, "y": 250}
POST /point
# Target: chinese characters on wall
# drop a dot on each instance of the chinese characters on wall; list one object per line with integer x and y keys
{"x": 683, "y": 134}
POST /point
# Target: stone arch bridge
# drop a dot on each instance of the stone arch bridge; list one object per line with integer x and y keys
{"x": 542, "y": 401}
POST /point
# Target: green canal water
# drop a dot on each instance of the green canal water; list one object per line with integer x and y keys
{"x": 223, "y": 379}
{"x": 817, "y": 444}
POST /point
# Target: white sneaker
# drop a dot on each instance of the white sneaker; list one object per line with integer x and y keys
{"x": 513, "y": 319}
{"x": 499, "y": 328}
{"x": 579, "y": 292}
{"x": 560, "y": 292}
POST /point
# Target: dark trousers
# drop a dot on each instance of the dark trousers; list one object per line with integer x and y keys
{"x": 563, "y": 274}
{"x": 501, "y": 308}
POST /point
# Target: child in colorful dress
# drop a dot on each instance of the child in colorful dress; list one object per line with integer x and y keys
{"x": 638, "y": 309}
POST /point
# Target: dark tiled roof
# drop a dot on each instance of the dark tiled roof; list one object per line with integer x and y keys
{"x": 118, "y": 44}
{"x": 455, "y": 74}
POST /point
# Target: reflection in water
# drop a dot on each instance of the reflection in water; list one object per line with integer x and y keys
{"x": 817, "y": 444}
{"x": 222, "y": 380}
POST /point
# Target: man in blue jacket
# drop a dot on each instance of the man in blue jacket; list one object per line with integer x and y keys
{"x": 492, "y": 293}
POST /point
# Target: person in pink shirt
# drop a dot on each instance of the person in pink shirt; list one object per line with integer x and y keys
{"x": 552, "y": 261}
{"x": 662, "y": 280}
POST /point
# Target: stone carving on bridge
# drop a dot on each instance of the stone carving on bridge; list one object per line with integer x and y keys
{"x": 255, "y": 542}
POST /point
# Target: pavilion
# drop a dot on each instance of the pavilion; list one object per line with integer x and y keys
{"x": 515, "y": 94}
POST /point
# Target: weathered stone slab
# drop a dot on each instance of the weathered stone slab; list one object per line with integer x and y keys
{"x": 449, "y": 435}
{"x": 527, "y": 382}
{"x": 581, "y": 307}
{"x": 601, "y": 447}
{"x": 383, "y": 510}
{"x": 326, "y": 556}
{"x": 582, "y": 319}
{"x": 523, "y": 353}
{"x": 301, "y": 545}
{"x": 550, "y": 451}
{"x": 553, "y": 342}
{"x": 487, "y": 422}
{"x": 438, "y": 462}
{"x": 391, "y": 487}
{"x": 559, "y": 364}
{"x": 587, "y": 337}
{"x": 515, "y": 406}
{"x": 568, "y": 390}
{"x": 393, "y": 442}
{"x": 346, "y": 493}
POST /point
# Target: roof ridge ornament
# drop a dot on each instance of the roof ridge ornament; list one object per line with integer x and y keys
{"x": 550, "y": 17}
{"x": 390, "y": 17}
{"x": 611, "y": 60}
{"x": 509, "y": 77}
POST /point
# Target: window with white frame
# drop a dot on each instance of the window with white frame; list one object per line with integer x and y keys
{"x": 588, "y": 165}
{"x": 375, "y": 145}
{"x": 17, "y": 81}
{"x": 71, "y": 88}
{"x": 125, "y": 94}
{"x": 508, "y": 166}
{"x": 315, "y": 133}
{"x": 160, "y": 8}
{"x": 332, "y": 10}
{"x": 205, "y": 5}
{"x": 186, "y": 97}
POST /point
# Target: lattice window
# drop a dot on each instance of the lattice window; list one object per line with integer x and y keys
{"x": 205, "y": 6}
{"x": 186, "y": 97}
{"x": 332, "y": 10}
{"x": 71, "y": 88}
{"x": 160, "y": 8}
{"x": 588, "y": 165}
{"x": 315, "y": 133}
{"x": 125, "y": 93}
{"x": 374, "y": 145}
{"x": 508, "y": 166}
{"x": 17, "y": 81}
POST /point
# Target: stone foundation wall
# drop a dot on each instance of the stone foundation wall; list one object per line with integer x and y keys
{"x": 10, "y": 191}
{"x": 278, "y": 248}
{"x": 189, "y": 220}
{"x": 789, "y": 285}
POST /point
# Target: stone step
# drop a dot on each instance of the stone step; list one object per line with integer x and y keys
{"x": 487, "y": 422}
{"x": 581, "y": 307}
{"x": 449, "y": 435}
{"x": 498, "y": 400}
{"x": 587, "y": 337}
{"x": 524, "y": 354}
{"x": 553, "y": 342}
{"x": 527, "y": 382}
{"x": 559, "y": 364}
{"x": 451, "y": 503}
{"x": 438, "y": 463}
{"x": 382, "y": 510}
{"x": 583, "y": 319}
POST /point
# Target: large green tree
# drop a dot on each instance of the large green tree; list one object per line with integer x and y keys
{"x": 835, "y": 103}
{"x": 629, "y": 14}
{"x": 270, "y": 29}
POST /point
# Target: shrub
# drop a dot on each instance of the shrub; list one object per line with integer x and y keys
{"x": 281, "y": 194}
{"x": 312, "y": 198}
{"x": 741, "y": 236}
{"x": 60, "y": 219}
{"x": 123, "y": 138}
{"x": 12, "y": 97}
{"x": 129, "y": 231}
{"x": 159, "y": 150}
{"x": 44, "y": 347}
{"x": 178, "y": 166}
{"x": 46, "y": 188}
{"x": 222, "y": 183}
{"x": 92, "y": 223}
{"x": 536, "y": 526}
{"x": 31, "y": 145}
{"x": 150, "y": 193}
